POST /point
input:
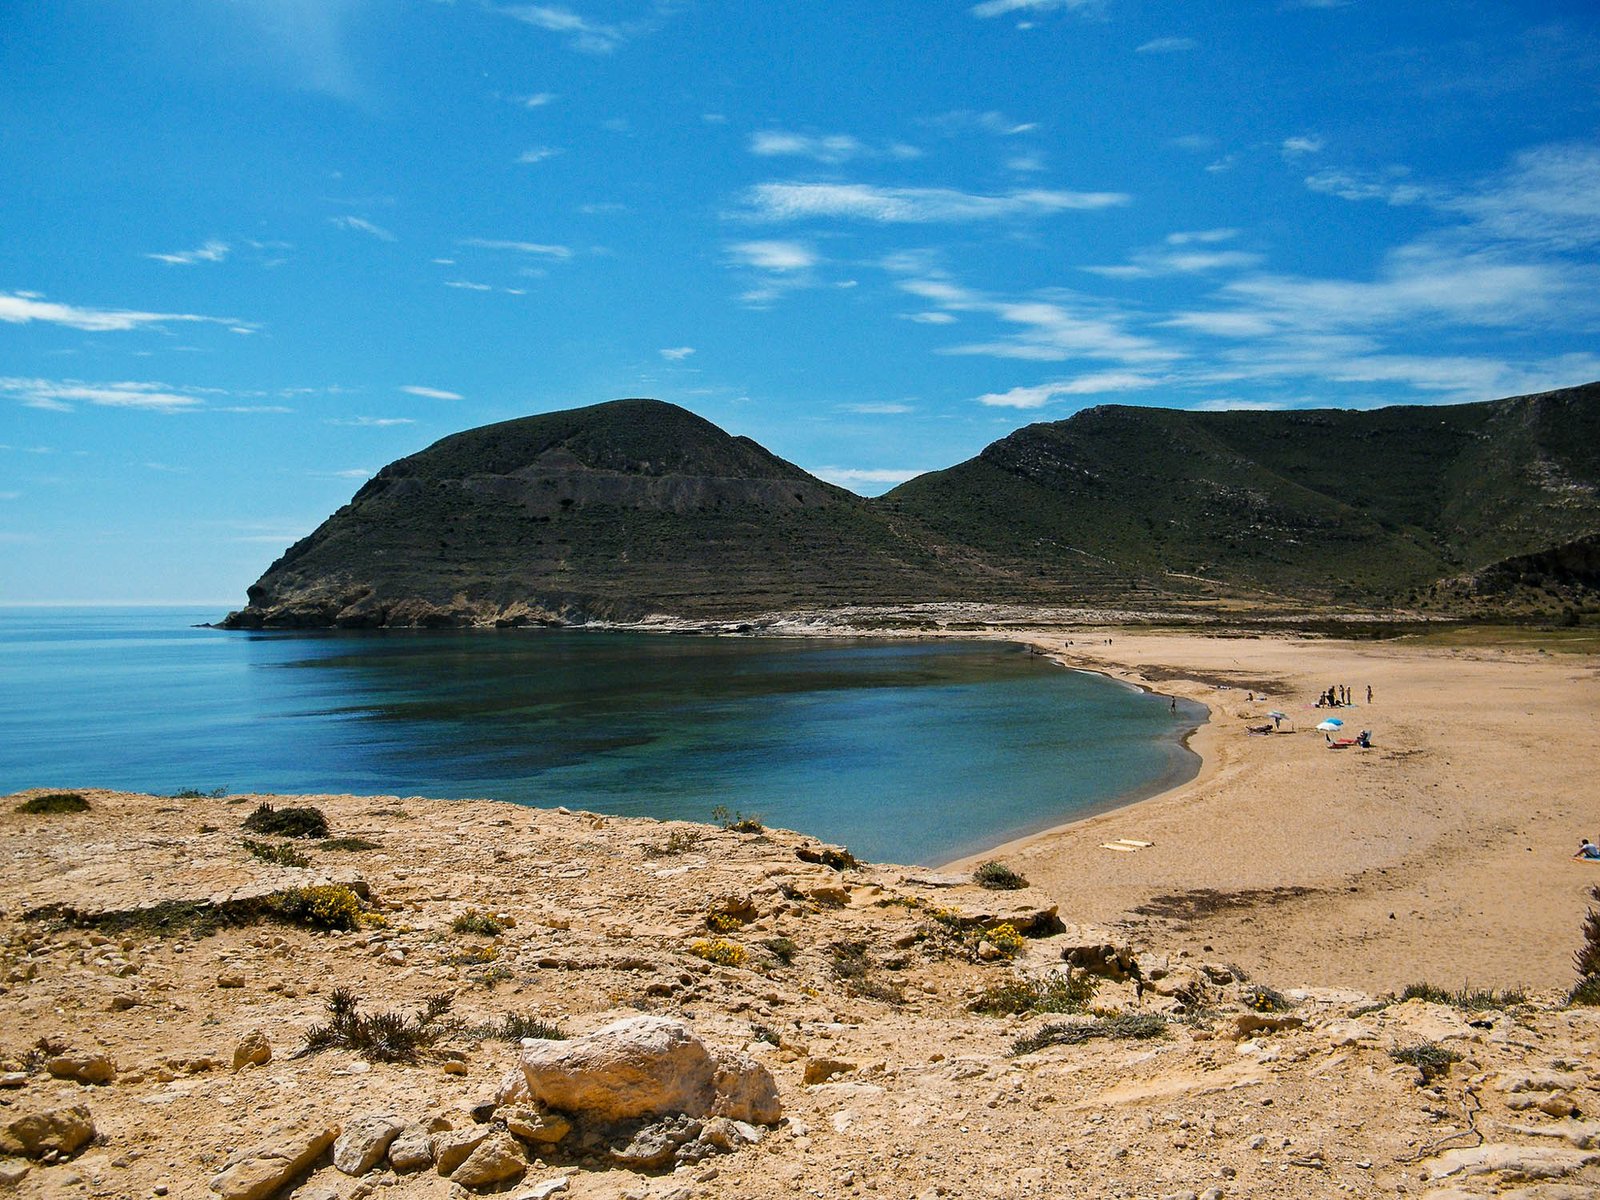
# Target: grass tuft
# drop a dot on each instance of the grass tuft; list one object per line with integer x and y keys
{"x": 1068, "y": 993}
{"x": 350, "y": 843}
{"x": 737, "y": 822}
{"x": 1429, "y": 1058}
{"x": 1123, "y": 1026}
{"x": 478, "y": 924}
{"x": 382, "y": 1037}
{"x": 1472, "y": 999}
{"x": 282, "y": 856}
{"x": 998, "y": 877}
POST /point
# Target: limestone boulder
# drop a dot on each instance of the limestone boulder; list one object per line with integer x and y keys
{"x": 94, "y": 1069}
{"x": 647, "y": 1067}
{"x": 45, "y": 1131}
{"x": 365, "y": 1141}
{"x": 411, "y": 1150}
{"x": 253, "y": 1050}
{"x": 267, "y": 1170}
{"x": 496, "y": 1159}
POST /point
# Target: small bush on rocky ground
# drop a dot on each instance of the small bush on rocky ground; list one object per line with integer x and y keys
{"x": 1005, "y": 939}
{"x": 719, "y": 951}
{"x": 1472, "y": 999}
{"x": 996, "y": 876}
{"x": 197, "y": 794}
{"x": 1258, "y": 997}
{"x": 282, "y": 856}
{"x": 1429, "y": 1058}
{"x": 382, "y": 1037}
{"x": 781, "y": 948}
{"x": 513, "y": 1027}
{"x": 55, "y": 802}
{"x": 1586, "y": 991}
{"x": 324, "y": 906}
{"x": 679, "y": 841}
{"x": 737, "y": 822}
{"x": 1056, "y": 994}
{"x": 837, "y": 858}
{"x": 301, "y": 822}
{"x": 1587, "y": 959}
{"x": 853, "y": 966}
{"x": 350, "y": 843}
{"x": 479, "y": 924}
{"x": 1124, "y": 1026}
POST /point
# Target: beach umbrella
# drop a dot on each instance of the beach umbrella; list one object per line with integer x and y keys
{"x": 1282, "y": 716}
{"x": 1331, "y": 725}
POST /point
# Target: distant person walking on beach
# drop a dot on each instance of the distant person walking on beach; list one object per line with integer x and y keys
{"x": 1369, "y": 693}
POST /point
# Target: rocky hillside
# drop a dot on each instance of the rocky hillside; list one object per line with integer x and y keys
{"x": 458, "y": 998}
{"x": 1354, "y": 507}
{"x": 636, "y": 507}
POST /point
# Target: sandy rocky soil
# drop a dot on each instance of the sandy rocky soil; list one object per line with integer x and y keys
{"x": 180, "y": 1047}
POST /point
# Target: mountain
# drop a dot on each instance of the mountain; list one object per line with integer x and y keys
{"x": 1330, "y": 505}
{"x": 635, "y": 507}
{"x": 615, "y": 510}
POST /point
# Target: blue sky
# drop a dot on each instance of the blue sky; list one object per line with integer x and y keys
{"x": 254, "y": 249}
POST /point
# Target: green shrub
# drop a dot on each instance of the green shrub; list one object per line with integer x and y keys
{"x": 1125, "y": 1026}
{"x": 996, "y": 876}
{"x": 350, "y": 843}
{"x": 478, "y": 924}
{"x": 737, "y": 822}
{"x": 1472, "y": 999}
{"x": 1586, "y": 991}
{"x": 55, "y": 802}
{"x": 1068, "y": 993}
{"x": 283, "y": 856}
{"x": 384, "y": 1037}
{"x": 513, "y": 1027}
{"x": 720, "y": 951}
{"x": 305, "y": 822}
{"x": 1258, "y": 997}
{"x": 325, "y": 906}
{"x": 1429, "y": 1058}
{"x": 781, "y": 948}
{"x": 197, "y": 794}
{"x": 1587, "y": 959}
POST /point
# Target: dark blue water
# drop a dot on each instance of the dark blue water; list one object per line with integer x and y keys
{"x": 908, "y": 751}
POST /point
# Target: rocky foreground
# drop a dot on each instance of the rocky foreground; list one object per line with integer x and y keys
{"x": 546, "y": 1003}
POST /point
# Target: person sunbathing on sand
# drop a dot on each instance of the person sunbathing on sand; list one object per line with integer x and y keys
{"x": 1587, "y": 849}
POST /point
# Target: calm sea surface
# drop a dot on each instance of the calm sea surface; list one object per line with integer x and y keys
{"x": 904, "y": 751}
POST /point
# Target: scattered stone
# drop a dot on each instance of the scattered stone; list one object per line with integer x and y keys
{"x": 1512, "y": 1161}
{"x": 648, "y": 1066}
{"x": 260, "y": 1173}
{"x": 411, "y": 1150}
{"x": 14, "y": 1079}
{"x": 253, "y": 1050}
{"x": 53, "y": 1131}
{"x": 1249, "y": 1023}
{"x": 230, "y": 979}
{"x": 820, "y": 1070}
{"x": 453, "y": 1147}
{"x": 365, "y": 1141}
{"x": 533, "y": 1125}
{"x": 496, "y": 1159}
{"x": 656, "y": 1145}
{"x": 1538, "y": 1081}
{"x": 550, "y": 1187}
{"x": 95, "y": 1069}
{"x": 13, "y": 1173}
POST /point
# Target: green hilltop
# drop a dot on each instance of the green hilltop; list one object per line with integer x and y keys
{"x": 637, "y": 507}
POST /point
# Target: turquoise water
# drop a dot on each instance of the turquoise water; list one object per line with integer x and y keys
{"x": 907, "y": 751}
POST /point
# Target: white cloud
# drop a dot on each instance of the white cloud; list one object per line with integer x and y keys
{"x": 468, "y": 285}
{"x": 1305, "y": 144}
{"x": 60, "y": 395}
{"x": 538, "y": 154}
{"x": 878, "y": 409}
{"x": 360, "y": 225}
{"x": 211, "y": 251}
{"x": 892, "y": 205}
{"x": 430, "y": 393}
{"x": 537, "y": 100}
{"x": 1203, "y": 237}
{"x": 932, "y": 318}
{"x": 998, "y": 8}
{"x": 1234, "y": 404}
{"x": 543, "y": 249}
{"x": 1042, "y": 394}
{"x": 20, "y": 308}
{"x": 845, "y": 476}
{"x": 824, "y": 148}
{"x": 676, "y": 353}
{"x": 990, "y": 122}
{"x": 774, "y": 256}
{"x": 581, "y": 33}
{"x": 370, "y": 422}
{"x": 1392, "y": 187}
{"x": 349, "y": 473}
{"x": 1167, "y": 45}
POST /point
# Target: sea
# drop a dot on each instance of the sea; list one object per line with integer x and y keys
{"x": 905, "y": 750}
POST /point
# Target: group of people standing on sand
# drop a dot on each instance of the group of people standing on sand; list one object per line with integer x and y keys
{"x": 1340, "y": 696}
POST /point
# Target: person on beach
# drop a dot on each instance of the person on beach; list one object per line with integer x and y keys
{"x": 1587, "y": 849}
{"x": 1369, "y": 693}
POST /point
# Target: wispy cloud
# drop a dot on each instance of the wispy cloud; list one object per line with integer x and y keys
{"x": 543, "y": 249}
{"x": 1186, "y": 253}
{"x": 903, "y": 205}
{"x": 61, "y": 395}
{"x": 467, "y": 285}
{"x": 361, "y": 225}
{"x": 878, "y": 409}
{"x": 591, "y": 37}
{"x": 774, "y": 256}
{"x": 999, "y": 8}
{"x": 1039, "y": 395}
{"x": 538, "y": 154}
{"x": 348, "y": 473}
{"x": 676, "y": 353}
{"x": 989, "y": 121}
{"x": 845, "y": 476}
{"x": 537, "y": 100}
{"x": 210, "y": 252}
{"x": 1167, "y": 45}
{"x": 824, "y": 148}
{"x": 430, "y": 393}
{"x": 20, "y": 308}
{"x": 369, "y": 422}
{"x": 1294, "y": 147}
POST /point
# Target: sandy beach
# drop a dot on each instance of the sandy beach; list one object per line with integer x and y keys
{"x": 1441, "y": 854}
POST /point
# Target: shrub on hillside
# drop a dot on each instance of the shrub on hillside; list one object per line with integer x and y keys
{"x": 996, "y": 876}
{"x": 55, "y": 802}
{"x": 302, "y": 822}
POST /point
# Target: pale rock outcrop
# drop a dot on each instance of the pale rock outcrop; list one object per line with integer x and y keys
{"x": 46, "y": 1131}
{"x": 496, "y": 1159}
{"x": 1512, "y": 1161}
{"x": 534, "y": 1125}
{"x": 452, "y": 1147}
{"x": 365, "y": 1141}
{"x": 644, "y": 1067}
{"x": 253, "y": 1050}
{"x": 411, "y": 1150}
{"x": 95, "y": 1069}
{"x": 263, "y": 1172}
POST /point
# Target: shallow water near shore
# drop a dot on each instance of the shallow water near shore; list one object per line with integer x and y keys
{"x": 908, "y": 751}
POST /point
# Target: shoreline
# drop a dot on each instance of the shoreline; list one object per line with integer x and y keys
{"x": 1440, "y": 854}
